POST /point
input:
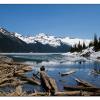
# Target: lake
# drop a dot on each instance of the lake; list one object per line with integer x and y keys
{"x": 57, "y": 63}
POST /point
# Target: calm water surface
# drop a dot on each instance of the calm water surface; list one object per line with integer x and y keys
{"x": 55, "y": 64}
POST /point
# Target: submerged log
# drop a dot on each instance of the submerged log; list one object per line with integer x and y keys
{"x": 81, "y": 88}
{"x": 48, "y": 83}
{"x": 83, "y": 83}
{"x": 68, "y": 73}
{"x": 30, "y": 80}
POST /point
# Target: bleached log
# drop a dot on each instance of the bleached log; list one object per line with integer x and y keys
{"x": 68, "y": 73}
{"x": 83, "y": 82}
{"x": 48, "y": 83}
{"x": 81, "y": 88}
{"x": 3, "y": 80}
{"x": 68, "y": 93}
{"x": 14, "y": 84}
{"x": 30, "y": 80}
{"x": 45, "y": 81}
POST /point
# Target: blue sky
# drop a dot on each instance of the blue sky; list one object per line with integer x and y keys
{"x": 80, "y": 21}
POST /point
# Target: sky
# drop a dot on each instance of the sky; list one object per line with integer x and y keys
{"x": 72, "y": 20}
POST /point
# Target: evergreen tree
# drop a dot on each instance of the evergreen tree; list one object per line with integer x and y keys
{"x": 71, "y": 49}
{"x": 79, "y": 47}
{"x": 84, "y": 46}
{"x": 95, "y": 43}
{"x": 91, "y": 44}
{"x": 99, "y": 44}
{"x": 74, "y": 48}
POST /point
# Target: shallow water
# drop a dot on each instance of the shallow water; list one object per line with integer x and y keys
{"x": 55, "y": 64}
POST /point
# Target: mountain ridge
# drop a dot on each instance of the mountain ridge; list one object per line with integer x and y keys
{"x": 15, "y": 42}
{"x": 52, "y": 40}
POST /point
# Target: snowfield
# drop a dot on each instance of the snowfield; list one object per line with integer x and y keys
{"x": 51, "y": 40}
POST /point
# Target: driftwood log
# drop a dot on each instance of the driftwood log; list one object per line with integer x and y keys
{"x": 83, "y": 83}
{"x": 18, "y": 92}
{"x": 68, "y": 73}
{"x": 81, "y": 88}
{"x": 14, "y": 83}
{"x": 68, "y": 93}
{"x": 48, "y": 83}
{"x": 30, "y": 80}
{"x": 4, "y": 80}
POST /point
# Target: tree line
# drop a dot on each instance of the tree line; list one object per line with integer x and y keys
{"x": 79, "y": 47}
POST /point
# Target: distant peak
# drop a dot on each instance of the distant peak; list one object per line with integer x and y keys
{"x": 3, "y": 30}
{"x": 41, "y": 35}
{"x": 6, "y": 32}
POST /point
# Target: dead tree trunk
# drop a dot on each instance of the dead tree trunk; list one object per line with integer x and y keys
{"x": 30, "y": 80}
{"x": 48, "y": 83}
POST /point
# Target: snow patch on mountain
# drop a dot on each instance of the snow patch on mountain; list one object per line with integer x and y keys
{"x": 45, "y": 39}
{"x": 5, "y": 32}
{"x": 26, "y": 39}
{"x": 73, "y": 41}
{"x": 42, "y": 38}
{"x": 51, "y": 40}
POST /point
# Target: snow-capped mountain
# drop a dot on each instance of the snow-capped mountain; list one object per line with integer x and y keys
{"x": 10, "y": 43}
{"x": 15, "y": 42}
{"x": 5, "y": 32}
{"x": 42, "y": 38}
{"x": 26, "y": 39}
{"x": 52, "y": 40}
